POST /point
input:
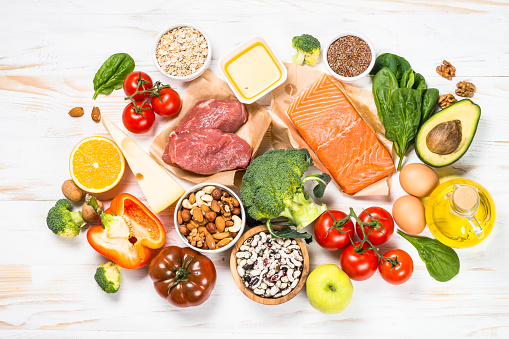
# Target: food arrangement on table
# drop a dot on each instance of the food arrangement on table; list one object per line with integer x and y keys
{"x": 356, "y": 138}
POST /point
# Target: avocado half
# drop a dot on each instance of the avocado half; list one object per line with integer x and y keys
{"x": 468, "y": 114}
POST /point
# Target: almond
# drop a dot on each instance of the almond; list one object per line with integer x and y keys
{"x": 76, "y": 112}
{"x": 96, "y": 114}
{"x": 197, "y": 214}
{"x": 220, "y": 223}
{"x": 214, "y": 205}
{"x": 223, "y": 242}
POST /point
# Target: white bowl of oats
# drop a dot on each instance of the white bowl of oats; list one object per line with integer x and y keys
{"x": 182, "y": 52}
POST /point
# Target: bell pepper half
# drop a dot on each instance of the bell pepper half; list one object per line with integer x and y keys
{"x": 129, "y": 232}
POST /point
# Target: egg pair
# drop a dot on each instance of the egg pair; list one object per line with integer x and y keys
{"x": 419, "y": 181}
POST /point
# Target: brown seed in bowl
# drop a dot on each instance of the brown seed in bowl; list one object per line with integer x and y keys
{"x": 220, "y": 223}
{"x": 236, "y": 211}
{"x": 221, "y": 235}
{"x": 223, "y": 242}
{"x": 214, "y": 205}
{"x": 192, "y": 198}
{"x": 197, "y": 214}
{"x": 205, "y": 208}
{"x": 216, "y": 194}
{"x": 183, "y": 229}
{"x": 186, "y": 215}
{"x": 211, "y": 227}
{"x": 209, "y": 240}
{"x": 210, "y": 216}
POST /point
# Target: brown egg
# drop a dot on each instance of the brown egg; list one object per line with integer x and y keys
{"x": 418, "y": 180}
{"x": 408, "y": 213}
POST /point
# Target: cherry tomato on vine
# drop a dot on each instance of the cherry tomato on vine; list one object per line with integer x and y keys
{"x": 359, "y": 266}
{"x": 328, "y": 236}
{"x": 386, "y": 226}
{"x": 168, "y": 103}
{"x": 138, "y": 122}
{"x": 400, "y": 273}
{"x": 140, "y": 80}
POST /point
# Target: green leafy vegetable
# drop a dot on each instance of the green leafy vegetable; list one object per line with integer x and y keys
{"x": 402, "y": 100}
{"x": 402, "y": 125}
{"x": 112, "y": 73}
{"x": 396, "y": 64}
{"x": 441, "y": 261}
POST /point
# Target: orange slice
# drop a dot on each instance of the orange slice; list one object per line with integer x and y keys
{"x": 96, "y": 164}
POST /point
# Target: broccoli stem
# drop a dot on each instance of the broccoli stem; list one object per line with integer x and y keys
{"x": 106, "y": 219}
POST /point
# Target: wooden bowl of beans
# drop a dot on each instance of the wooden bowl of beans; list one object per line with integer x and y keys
{"x": 267, "y": 269}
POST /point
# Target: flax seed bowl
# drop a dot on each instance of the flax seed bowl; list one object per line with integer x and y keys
{"x": 269, "y": 270}
{"x": 209, "y": 218}
{"x": 349, "y": 56}
{"x": 182, "y": 52}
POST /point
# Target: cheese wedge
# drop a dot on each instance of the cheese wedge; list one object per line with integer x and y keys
{"x": 160, "y": 189}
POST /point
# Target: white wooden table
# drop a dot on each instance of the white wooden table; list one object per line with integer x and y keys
{"x": 49, "y": 55}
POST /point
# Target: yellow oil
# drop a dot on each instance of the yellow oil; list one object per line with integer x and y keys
{"x": 451, "y": 229}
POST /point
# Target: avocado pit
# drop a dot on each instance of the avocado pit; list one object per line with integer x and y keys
{"x": 444, "y": 138}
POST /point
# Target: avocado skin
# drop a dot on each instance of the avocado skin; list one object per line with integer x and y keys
{"x": 464, "y": 110}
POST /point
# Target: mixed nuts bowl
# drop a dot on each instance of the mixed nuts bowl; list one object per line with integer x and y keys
{"x": 209, "y": 218}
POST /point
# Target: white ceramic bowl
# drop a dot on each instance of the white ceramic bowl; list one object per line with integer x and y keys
{"x": 200, "y": 70}
{"x": 196, "y": 188}
{"x": 357, "y": 77}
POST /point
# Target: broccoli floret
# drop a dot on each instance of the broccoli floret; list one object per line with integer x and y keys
{"x": 62, "y": 221}
{"x": 308, "y": 49}
{"x": 272, "y": 187}
{"x": 108, "y": 277}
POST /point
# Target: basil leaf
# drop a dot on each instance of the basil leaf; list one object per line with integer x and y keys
{"x": 322, "y": 180}
{"x": 112, "y": 73}
{"x": 402, "y": 125}
{"x": 441, "y": 261}
{"x": 429, "y": 101}
{"x": 396, "y": 64}
{"x": 290, "y": 233}
{"x": 384, "y": 84}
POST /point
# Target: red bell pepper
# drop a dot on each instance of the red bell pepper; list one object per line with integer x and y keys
{"x": 129, "y": 232}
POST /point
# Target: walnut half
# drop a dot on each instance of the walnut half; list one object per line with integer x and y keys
{"x": 446, "y": 70}
{"x": 465, "y": 89}
{"x": 446, "y": 100}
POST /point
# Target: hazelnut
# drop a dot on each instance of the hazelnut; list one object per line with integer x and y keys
{"x": 186, "y": 215}
{"x": 210, "y": 216}
{"x": 183, "y": 229}
{"x": 236, "y": 211}
{"x": 225, "y": 194}
{"x": 211, "y": 227}
{"x": 216, "y": 194}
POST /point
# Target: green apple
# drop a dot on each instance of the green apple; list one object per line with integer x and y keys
{"x": 329, "y": 289}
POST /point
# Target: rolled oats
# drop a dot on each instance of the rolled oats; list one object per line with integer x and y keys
{"x": 182, "y": 51}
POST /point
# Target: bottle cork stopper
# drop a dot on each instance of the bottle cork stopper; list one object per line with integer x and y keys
{"x": 465, "y": 197}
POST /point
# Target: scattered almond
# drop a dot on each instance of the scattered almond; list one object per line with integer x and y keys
{"x": 96, "y": 114}
{"x": 76, "y": 112}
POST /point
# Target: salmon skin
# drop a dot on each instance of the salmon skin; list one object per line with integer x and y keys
{"x": 345, "y": 144}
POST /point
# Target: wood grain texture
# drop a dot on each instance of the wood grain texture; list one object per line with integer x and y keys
{"x": 50, "y": 53}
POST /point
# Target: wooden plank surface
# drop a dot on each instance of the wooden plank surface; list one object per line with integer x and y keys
{"x": 50, "y": 53}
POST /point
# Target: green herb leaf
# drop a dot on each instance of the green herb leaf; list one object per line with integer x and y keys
{"x": 112, "y": 73}
{"x": 322, "y": 180}
{"x": 419, "y": 83}
{"x": 441, "y": 261}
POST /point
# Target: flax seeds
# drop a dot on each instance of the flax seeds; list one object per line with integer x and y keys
{"x": 349, "y": 56}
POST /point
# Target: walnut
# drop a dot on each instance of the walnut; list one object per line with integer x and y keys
{"x": 446, "y": 100}
{"x": 446, "y": 70}
{"x": 465, "y": 89}
{"x": 196, "y": 238}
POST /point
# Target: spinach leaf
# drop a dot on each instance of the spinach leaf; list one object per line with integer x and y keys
{"x": 419, "y": 83}
{"x": 441, "y": 261}
{"x": 396, "y": 64}
{"x": 112, "y": 73}
{"x": 402, "y": 124}
{"x": 289, "y": 233}
{"x": 429, "y": 101}
{"x": 407, "y": 81}
{"x": 322, "y": 180}
{"x": 384, "y": 84}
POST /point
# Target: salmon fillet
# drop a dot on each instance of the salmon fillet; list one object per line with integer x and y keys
{"x": 345, "y": 144}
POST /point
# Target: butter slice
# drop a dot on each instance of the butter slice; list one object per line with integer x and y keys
{"x": 160, "y": 189}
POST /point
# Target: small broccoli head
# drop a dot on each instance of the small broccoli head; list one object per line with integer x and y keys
{"x": 271, "y": 181}
{"x": 308, "y": 49}
{"x": 108, "y": 277}
{"x": 62, "y": 221}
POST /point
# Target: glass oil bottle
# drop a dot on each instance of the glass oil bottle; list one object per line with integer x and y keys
{"x": 460, "y": 213}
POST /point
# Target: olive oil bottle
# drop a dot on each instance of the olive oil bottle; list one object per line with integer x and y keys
{"x": 460, "y": 213}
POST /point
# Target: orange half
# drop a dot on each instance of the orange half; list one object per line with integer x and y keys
{"x": 96, "y": 164}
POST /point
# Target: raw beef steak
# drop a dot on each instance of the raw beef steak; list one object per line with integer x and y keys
{"x": 225, "y": 115}
{"x": 207, "y": 151}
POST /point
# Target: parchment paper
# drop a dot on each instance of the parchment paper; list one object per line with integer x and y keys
{"x": 209, "y": 86}
{"x": 285, "y": 135}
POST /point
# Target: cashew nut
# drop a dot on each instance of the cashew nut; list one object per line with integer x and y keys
{"x": 188, "y": 205}
{"x": 207, "y": 198}
{"x": 237, "y": 222}
{"x": 199, "y": 195}
{"x": 208, "y": 189}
